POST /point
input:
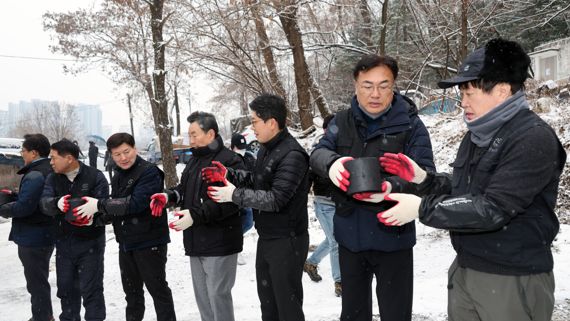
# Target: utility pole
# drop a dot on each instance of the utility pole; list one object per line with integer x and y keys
{"x": 130, "y": 114}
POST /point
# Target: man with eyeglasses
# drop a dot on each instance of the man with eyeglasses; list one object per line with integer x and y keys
{"x": 379, "y": 120}
{"x": 32, "y": 231}
{"x": 142, "y": 235}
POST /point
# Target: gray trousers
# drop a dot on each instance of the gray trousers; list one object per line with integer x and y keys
{"x": 480, "y": 296}
{"x": 213, "y": 278}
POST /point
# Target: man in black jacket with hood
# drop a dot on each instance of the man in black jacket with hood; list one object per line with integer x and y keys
{"x": 142, "y": 235}
{"x": 277, "y": 191}
{"x": 499, "y": 203}
{"x": 212, "y": 231}
{"x": 32, "y": 231}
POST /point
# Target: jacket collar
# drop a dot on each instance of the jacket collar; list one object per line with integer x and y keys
{"x": 397, "y": 116}
{"x": 26, "y": 169}
{"x": 275, "y": 140}
{"x": 214, "y": 147}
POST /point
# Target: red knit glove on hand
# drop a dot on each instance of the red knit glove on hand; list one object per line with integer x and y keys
{"x": 402, "y": 166}
{"x": 216, "y": 173}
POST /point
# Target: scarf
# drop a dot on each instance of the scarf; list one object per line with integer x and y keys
{"x": 484, "y": 128}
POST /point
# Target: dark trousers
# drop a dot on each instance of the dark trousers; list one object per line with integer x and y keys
{"x": 79, "y": 270}
{"x": 93, "y": 162}
{"x": 279, "y": 269}
{"x": 394, "y": 273}
{"x": 36, "y": 270}
{"x": 146, "y": 266}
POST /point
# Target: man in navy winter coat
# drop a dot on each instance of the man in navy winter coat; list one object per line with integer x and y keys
{"x": 379, "y": 120}
{"x": 80, "y": 245}
{"x": 142, "y": 235}
{"x": 32, "y": 231}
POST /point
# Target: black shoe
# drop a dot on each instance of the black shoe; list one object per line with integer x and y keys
{"x": 311, "y": 270}
{"x": 338, "y": 289}
{"x": 50, "y": 319}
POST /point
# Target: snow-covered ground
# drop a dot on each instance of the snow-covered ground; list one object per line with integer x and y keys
{"x": 433, "y": 254}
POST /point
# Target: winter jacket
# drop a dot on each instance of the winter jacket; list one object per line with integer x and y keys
{"x": 30, "y": 227}
{"x": 322, "y": 187}
{"x": 399, "y": 130}
{"x": 277, "y": 189}
{"x": 129, "y": 210}
{"x": 499, "y": 203}
{"x": 88, "y": 182}
{"x": 216, "y": 230}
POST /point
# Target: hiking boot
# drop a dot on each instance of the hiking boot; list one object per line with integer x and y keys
{"x": 311, "y": 270}
{"x": 50, "y": 319}
{"x": 338, "y": 289}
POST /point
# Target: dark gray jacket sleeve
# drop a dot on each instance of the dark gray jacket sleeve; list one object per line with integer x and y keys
{"x": 288, "y": 176}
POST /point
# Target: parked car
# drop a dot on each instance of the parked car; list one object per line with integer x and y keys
{"x": 180, "y": 152}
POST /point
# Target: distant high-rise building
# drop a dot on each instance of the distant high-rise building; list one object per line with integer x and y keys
{"x": 4, "y": 121}
{"x": 90, "y": 117}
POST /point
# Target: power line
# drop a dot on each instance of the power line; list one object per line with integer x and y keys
{"x": 36, "y": 58}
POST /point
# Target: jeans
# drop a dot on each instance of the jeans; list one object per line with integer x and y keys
{"x": 246, "y": 219}
{"x": 325, "y": 213}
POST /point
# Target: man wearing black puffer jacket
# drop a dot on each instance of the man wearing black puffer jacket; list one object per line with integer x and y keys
{"x": 379, "y": 120}
{"x": 142, "y": 237}
{"x": 32, "y": 231}
{"x": 277, "y": 191}
{"x": 499, "y": 202}
{"x": 212, "y": 231}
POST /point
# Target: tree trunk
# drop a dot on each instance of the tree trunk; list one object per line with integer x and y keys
{"x": 463, "y": 44}
{"x": 288, "y": 18}
{"x": 384, "y": 28}
{"x": 177, "y": 109}
{"x": 276, "y": 83}
{"x": 366, "y": 23}
{"x": 318, "y": 96}
{"x": 158, "y": 101}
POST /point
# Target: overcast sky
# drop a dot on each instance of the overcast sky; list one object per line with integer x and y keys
{"x": 22, "y": 35}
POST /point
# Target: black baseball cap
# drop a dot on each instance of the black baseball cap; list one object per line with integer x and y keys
{"x": 238, "y": 140}
{"x": 469, "y": 70}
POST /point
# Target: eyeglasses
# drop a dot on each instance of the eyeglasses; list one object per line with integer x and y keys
{"x": 22, "y": 151}
{"x": 368, "y": 88}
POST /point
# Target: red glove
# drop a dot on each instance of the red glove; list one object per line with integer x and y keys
{"x": 339, "y": 175}
{"x": 82, "y": 221}
{"x": 63, "y": 203}
{"x": 374, "y": 197}
{"x": 216, "y": 173}
{"x": 157, "y": 203}
{"x": 402, "y": 166}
